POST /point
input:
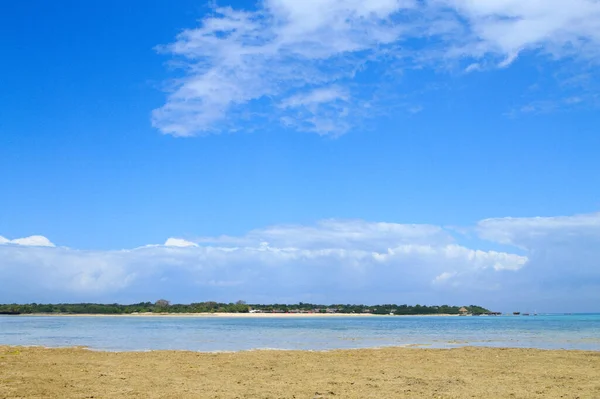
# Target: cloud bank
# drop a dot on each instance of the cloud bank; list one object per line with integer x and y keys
{"x": 563, "y": 255}
{"x": 322, "y": 65}
{"x": 553, "y": 266}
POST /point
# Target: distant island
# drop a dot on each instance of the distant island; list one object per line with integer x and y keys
{"x": 164, "y": 306}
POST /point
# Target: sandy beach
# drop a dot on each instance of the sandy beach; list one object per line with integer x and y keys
{"x": 253, "y": 315}
{"x": 365, "y": 373}
{"x": 240, "y": 315}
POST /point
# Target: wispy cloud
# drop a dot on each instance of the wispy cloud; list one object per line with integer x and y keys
{"x": 324, "y": 110}
{"x": 315, "y": 65}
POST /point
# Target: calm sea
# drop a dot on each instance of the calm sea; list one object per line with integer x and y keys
{"x": 577, "y": 331}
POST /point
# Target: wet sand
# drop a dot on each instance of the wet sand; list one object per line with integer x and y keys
{"x": 364, "y": 373}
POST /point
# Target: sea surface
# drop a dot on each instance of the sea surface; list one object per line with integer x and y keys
{"x": 212, "y": 334}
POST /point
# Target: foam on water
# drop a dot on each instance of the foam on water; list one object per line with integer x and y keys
{"x": 577, "y": 331}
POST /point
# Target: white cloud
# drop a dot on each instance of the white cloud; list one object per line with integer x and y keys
{"x": 32, "y": 241}
{"x": 300, "y": 63}
{"x": 315, "y": 97}
{"x": 509, "y": 27}
{"x": 179, "y": 242}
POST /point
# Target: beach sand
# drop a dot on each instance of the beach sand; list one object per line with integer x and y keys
{"x": 237, "y": 315}
{"x": 364, "y": 373}
{"x": 228, "y": 315}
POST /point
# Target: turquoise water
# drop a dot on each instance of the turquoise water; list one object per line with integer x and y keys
{"x": 578, "y": 331}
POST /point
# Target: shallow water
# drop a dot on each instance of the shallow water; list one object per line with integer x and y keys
{"x": 577, "y": 331}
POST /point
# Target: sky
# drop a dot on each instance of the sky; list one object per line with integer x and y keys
{"x": 330, "y": 151}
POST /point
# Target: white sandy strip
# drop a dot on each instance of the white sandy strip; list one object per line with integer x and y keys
{"x": 240, "y": 315}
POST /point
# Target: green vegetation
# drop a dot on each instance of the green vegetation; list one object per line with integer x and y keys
{"x": 160, "y": 306}
{"x": 164, "y": 306}
{"x": 375, "y": 309}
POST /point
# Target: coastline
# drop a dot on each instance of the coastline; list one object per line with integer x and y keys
{"x": 33, "y": 372}
{"x": 228, "y": 315}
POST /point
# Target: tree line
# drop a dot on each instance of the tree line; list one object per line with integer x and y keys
{"x": 164, "y": 306}
{"x": 374, "y": 309}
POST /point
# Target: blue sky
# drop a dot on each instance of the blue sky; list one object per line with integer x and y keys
{"x": 301, "y": 151}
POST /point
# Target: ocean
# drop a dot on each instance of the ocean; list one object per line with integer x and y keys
{"x": 213, "y": 334}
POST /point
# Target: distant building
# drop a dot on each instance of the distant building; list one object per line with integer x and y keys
{"x": 463, "y": 310}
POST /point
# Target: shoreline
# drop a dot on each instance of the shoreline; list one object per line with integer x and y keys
{"x": 34, "y": 372}
{"x": 228, "y": 315}
{"x": 414, "y": 346}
